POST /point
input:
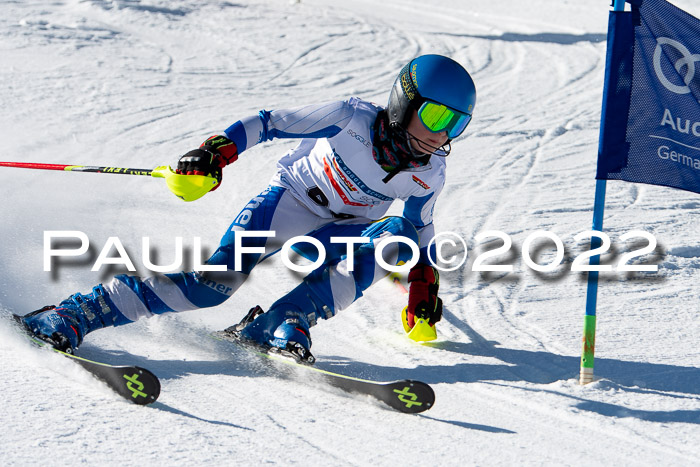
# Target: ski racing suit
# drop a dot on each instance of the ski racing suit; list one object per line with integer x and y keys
{"x": 328, "y": 186}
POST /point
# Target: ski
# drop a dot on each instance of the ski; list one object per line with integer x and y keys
{"x": 133, "y": 383}
{"x": 405, "y": 395}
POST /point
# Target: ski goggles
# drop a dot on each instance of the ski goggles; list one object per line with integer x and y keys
{"x": 437, "y": 117}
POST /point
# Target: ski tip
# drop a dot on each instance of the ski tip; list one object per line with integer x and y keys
{"x": 410, "y": 396}
{"x": 146, "y": 379}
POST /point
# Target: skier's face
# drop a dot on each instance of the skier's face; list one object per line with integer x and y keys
{"x": 424, "y": 140}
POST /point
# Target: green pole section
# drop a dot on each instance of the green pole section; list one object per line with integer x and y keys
{"x": 588, "y": 352}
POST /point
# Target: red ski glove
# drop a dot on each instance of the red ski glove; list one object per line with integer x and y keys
{"x": 423, "y": 301}
{"x": 213, "y": 155}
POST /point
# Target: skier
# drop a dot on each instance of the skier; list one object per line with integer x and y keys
{"x": 354, "y": 159}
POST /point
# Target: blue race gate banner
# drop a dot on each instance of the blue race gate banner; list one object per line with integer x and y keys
{"x": 650, "y": 129}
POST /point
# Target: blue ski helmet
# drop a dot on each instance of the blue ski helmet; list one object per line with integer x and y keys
{"x": 436, "y": 79}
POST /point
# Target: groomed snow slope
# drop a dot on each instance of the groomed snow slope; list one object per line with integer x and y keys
{"x": 136, "y": 83}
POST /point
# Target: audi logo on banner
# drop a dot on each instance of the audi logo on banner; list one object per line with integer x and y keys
{"x": 684, "y": 64}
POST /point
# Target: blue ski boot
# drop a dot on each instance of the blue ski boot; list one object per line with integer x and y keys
{"x": 284, "y": 328}
{"x": 65, "y": 325}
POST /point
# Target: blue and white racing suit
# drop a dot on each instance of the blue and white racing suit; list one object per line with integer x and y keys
{"x": 328, "y": 186}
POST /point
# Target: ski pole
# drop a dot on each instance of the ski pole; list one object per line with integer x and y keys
{"x": 396, "y": 279}
{"x": 76, "y": 168}
{"x": 185, "y": 187}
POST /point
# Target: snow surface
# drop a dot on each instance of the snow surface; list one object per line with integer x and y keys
{"x": 137, "y": 83}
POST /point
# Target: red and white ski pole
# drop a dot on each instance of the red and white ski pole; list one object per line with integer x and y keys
{"x": 185, "y": 187}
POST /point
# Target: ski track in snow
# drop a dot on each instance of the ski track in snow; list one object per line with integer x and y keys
{"x": 136, "y": 83}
